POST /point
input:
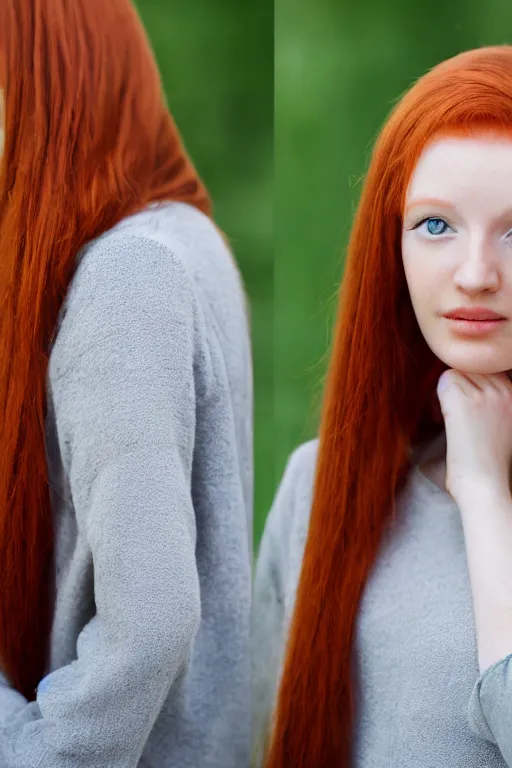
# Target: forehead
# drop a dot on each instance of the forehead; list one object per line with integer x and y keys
{"x": 454, "y": 166}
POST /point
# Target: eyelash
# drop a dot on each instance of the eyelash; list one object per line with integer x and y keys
{"x": 431, "y": 218}
{"x": 440, "y": 218}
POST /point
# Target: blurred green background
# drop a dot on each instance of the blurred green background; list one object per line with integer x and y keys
{"x": 339, "y": 68}
{"x": 217, "y": 64}
{"x": 283, "y": 159}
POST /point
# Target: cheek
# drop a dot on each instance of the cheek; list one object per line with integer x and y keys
{"x": 424, "y": 278}
{"x": 506, "y": 283}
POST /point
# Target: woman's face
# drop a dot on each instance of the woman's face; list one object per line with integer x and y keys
{"x": 457, "y": 251}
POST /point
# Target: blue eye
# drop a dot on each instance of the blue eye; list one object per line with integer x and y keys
{"x": 435, "y": 226}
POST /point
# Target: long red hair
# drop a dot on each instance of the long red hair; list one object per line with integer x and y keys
{"x": 88, "y": 140}
{"x": 379, "y": 391}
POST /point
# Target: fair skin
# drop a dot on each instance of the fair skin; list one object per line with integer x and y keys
{"x": 461, "y": 257}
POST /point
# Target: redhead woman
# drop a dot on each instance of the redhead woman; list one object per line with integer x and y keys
{"x": 126, "y": 414}
{"x": 383, "y": 591}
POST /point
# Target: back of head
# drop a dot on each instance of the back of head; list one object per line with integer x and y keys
{"x": 377, "y": 404}
{"x": 88, "y": 140}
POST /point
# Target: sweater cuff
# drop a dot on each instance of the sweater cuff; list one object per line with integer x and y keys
{"x": 17, "y": 747}
{"x": 490, "y": 706}
{"x": 11, "y": 701}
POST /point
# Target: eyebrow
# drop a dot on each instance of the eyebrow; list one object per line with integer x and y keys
{"x": 429, "y": 201}
{"x": 439, "y": 203}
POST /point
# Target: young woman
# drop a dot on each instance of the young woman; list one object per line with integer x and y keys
{"x": 126, "y": 414}
{"x": 383, "y": 594}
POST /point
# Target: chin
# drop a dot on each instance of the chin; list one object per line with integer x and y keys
{"x": 475, "y": 361}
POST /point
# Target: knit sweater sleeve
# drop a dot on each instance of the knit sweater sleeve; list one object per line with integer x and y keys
{"x": 11, "y": 702}
{"x": 124, "y": 393}
{"x": 490, "y": 706}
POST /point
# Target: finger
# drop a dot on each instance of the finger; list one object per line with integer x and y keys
{"x": 502, "y": 382}
{"x": 478, "y": 380}
{"x": 452, "y": 379}
{"x": 484, "y": 381}
{"x": 499, "y": 382}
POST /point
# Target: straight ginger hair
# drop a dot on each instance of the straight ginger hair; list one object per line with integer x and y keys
{"x": 88, "y": 141}
{"x": 378, "y": 399}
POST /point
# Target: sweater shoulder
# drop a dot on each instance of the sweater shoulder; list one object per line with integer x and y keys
{"x": 129, "y": 276}
{"x": 287, "y": 523}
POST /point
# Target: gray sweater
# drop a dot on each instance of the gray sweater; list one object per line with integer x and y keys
{"x": 421, "y": 701}
{"x": 149, "y": 447}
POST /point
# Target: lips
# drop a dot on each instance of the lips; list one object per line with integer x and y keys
{"x": 475, "y": 314}
{"x": 474, "y": 322}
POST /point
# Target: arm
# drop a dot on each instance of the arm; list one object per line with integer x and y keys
{"x": 477, "y": 411}
{"x": 267, "y": 621}
{"x": 11, "y": 701}
{"x": 268, "y": 613}
{"x": 125, "y": 409}
{"x": 487, "y": 524}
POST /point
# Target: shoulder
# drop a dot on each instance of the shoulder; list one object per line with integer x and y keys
{"x": 301, "y": 464}
{"x": 293, "y": 497}
{"x": 287, "y": 522}
{"x": 173, "y": 242}
{"x": 130, "y": 291}
{"x": 138, "y": 250}
{"x": 297, "y": 486}
{"x": 164, "y": 273}
{"x": 185, "y": 227}
{"x": 124, "y": 278}
{"x": 207, "y": 256}
{"x": 193, "y": 238}
{"x": 295, "y": 491}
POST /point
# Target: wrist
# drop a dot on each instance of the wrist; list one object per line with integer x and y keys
{"x": 485, "y": 494}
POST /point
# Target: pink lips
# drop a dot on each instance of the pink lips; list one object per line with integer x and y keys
{"x": 474, "y": 321}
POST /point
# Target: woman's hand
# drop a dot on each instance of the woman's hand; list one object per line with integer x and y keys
{"x": 477, "y": 411}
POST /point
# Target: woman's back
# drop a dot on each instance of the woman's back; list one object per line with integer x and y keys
{"x": 415, "y": 663}
{"x": 149, "y": 443}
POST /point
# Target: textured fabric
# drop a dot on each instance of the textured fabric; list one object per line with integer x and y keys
{"x": 420, "y": 699}
{"x": 490, "y": 706}
{"x": 149, "y": 447}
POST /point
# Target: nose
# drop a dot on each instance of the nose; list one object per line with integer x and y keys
{"x": 479, "y": 271}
